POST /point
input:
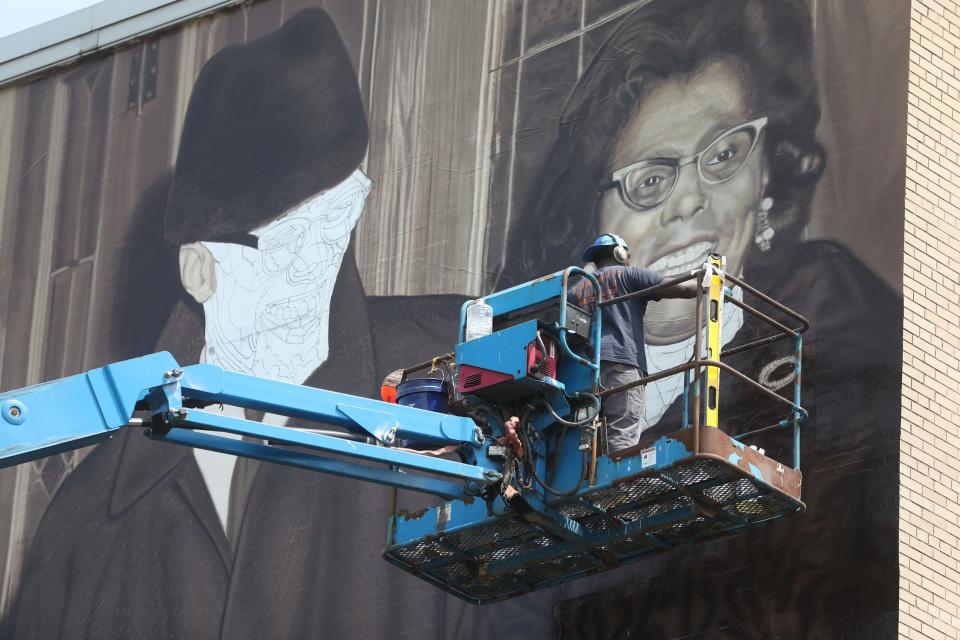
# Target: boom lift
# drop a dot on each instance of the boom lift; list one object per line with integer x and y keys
{"x": 529, "y": 503}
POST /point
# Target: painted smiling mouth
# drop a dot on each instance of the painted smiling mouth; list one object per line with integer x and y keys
{"x": 682, "y": 261}
{"x": 293, "y": 313}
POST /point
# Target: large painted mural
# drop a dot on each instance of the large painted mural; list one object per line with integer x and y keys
{"x": 308, "y": 190}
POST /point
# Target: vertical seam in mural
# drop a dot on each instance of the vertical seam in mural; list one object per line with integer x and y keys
{"x": 513, "y": 134}
{"x": 100, "y": 209}
{"x": 479, "y": 231}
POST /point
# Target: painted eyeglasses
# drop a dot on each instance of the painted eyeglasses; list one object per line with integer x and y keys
{"x": 649, "y": 183}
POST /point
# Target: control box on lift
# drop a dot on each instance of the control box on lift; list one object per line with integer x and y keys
{"x": 540, "y": 343}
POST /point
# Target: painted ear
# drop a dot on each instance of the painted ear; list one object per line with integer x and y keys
{"x": 198, "y": 271}
{"x": 798, "y": 160}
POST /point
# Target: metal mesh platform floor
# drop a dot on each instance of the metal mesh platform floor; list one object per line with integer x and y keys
{"x": 695, "y": 498}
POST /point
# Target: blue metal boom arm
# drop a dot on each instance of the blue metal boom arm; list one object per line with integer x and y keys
{"x": 87, "y": 408}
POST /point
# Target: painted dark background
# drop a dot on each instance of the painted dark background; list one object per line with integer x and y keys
{"x": 464, "y": 104}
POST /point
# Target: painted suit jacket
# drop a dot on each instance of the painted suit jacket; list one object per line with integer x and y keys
{"x": 132, "y": 546}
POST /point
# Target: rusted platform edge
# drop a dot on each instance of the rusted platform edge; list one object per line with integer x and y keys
{"x": 718, "y": 445}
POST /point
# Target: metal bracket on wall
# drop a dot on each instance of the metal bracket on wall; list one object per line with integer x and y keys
{"x": 144, "y": 63}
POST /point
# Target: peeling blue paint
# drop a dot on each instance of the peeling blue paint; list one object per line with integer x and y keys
{"x": 755, "y": 470}
{"x": 733, "y": 458}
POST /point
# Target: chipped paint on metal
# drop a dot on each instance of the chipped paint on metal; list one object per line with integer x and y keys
{"x": 413, "y": 515}
{"x": 443, "y": 516}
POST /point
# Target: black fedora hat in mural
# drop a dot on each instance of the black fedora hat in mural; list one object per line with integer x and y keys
{"x": 270, "y": 123}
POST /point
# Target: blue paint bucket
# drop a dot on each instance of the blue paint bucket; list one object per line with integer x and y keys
{"x": 423, "y": 393}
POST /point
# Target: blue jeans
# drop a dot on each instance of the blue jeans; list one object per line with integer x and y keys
{"x": 623, "y": 412}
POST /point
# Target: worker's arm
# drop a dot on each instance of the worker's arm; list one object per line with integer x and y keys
{"x": 686, "y": 289}
{"x": 639, "y": 279}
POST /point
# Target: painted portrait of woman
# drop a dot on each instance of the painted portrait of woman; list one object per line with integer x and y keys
{"x": 694, "y": 129}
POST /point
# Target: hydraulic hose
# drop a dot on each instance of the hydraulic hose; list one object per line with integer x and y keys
{"x": 492, "y": 412}
{"x": 531, "y": 461}
{"x": 595, "y": 400}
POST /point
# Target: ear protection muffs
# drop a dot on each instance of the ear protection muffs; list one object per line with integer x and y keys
{"x": 608, "y": 244}
{"x": 621, "y": 252}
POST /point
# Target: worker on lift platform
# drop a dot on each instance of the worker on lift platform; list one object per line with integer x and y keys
{"x": 622, "y": 354}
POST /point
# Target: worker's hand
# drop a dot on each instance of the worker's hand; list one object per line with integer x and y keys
{"x": 510, "y": 437}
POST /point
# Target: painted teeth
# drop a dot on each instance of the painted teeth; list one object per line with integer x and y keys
{"x": 682, "y": 261}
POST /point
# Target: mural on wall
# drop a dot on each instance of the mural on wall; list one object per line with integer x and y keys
{"x": 286, "y": 193}
{"x": 694, "y": 129}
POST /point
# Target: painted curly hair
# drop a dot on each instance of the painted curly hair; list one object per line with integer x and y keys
{"x": 771, "y": 43}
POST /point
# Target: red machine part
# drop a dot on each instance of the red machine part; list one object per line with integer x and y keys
{"x": 540, "y": 362}
{"x": 471, "y": 378}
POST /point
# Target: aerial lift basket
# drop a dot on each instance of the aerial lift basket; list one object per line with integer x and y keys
{"x": 690, "y": 485}
{"x": 652, "y": 498}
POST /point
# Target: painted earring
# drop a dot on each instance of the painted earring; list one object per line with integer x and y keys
{"x": 764, "y": 230}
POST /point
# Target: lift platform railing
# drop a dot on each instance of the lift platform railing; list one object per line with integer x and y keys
{"x": 701, "y": 392}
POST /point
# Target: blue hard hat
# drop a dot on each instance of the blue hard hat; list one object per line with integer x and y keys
{"x": 607, "y": 240}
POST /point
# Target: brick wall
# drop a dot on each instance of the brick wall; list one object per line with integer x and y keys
{"x": 930, "y": 437}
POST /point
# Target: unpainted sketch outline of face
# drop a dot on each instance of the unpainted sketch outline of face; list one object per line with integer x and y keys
{"x": 679, "y": 118}
{"x": 269, "y": 315}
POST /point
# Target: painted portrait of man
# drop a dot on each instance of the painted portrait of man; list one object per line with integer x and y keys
{"x": 256, "y": 222}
